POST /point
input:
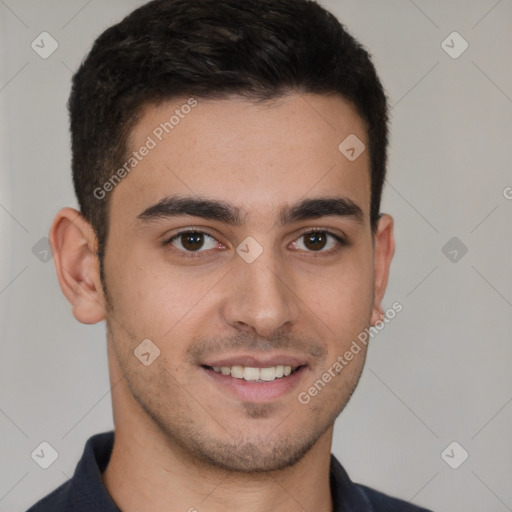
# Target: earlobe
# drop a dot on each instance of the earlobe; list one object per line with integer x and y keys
{"x": 383, "y": 254}
{"x": 74, "y": 244}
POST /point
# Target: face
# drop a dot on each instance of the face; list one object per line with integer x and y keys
{"x": 243, "y": 239}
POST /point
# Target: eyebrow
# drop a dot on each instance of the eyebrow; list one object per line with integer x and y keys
{"x": 213, "y": 209}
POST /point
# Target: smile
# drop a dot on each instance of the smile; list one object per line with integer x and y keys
{"x": 255, "y": 374}
{"x": 256, "y": 384}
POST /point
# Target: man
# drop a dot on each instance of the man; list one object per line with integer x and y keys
{"x": 228, "y": 159}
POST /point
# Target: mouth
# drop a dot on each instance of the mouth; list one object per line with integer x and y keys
{"x": 255, "y": 384}
{"x": 255, "y": 374}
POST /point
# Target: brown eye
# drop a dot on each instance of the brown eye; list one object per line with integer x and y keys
{"x": 318, "y": 241}
{"x": 315, "y": 241}
{"x": 192, "y": 241}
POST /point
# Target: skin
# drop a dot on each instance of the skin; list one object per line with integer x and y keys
{"x": 181, "y": 442}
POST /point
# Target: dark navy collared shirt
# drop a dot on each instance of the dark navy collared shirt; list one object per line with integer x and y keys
{"x": 86, "y": 492}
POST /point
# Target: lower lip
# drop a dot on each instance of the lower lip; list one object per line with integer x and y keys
{"x": 258, "y": 391}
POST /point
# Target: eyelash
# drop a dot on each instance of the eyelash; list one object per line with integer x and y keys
{"x": 341, "y": 242}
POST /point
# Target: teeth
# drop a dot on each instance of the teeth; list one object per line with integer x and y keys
{"x": 266, "y": 373}
{"x": 247, "y": 373}
{"x": 237, "y": 372}
{"x": 255, "y": 374}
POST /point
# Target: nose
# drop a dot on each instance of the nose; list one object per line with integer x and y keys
{"x": 261, "y": 296}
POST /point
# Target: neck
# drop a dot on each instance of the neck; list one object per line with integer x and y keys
{"x": 145, "y": 473}
{"x": 150, "y": 471}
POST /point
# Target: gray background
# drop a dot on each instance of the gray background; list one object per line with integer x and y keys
{"x": 438, "y": 373}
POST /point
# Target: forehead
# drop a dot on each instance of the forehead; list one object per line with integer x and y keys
{"x": 256, "y": 156}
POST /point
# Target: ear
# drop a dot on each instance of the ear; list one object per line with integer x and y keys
{"x": 384, "y": 249}
{"x": 74, "y": 246}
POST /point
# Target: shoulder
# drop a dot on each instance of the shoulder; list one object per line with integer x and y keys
{"x": 85, "y": 490}
{"x": 354, "y": 496}
{"x": 56, "y": 501}
{"x": 383, "y": 503}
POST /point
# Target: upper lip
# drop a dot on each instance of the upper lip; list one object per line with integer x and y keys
{"x": 258, "y": 361}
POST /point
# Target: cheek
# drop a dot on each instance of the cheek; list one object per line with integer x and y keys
{"x": 149, "y": 296}
{"x": 341, "y": 295}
